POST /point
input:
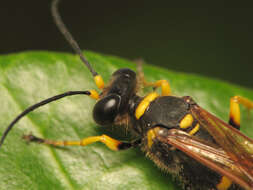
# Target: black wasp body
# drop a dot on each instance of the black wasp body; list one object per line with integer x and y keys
{"x": 197, "y": 148}
{"x": 161, "y": 114}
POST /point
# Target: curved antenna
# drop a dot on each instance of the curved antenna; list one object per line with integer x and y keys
{"x": 63, "y": 29}
{"x": 37, "y": 105}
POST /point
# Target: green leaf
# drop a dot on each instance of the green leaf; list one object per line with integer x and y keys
{"x": 27, "y": 78}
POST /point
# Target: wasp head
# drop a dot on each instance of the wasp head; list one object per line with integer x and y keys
{"x": 115, "y": 98}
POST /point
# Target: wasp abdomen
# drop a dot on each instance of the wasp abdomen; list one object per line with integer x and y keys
{"x": 187, "y": 171}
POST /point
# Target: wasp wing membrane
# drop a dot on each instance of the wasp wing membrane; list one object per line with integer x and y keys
{"x": 208, "y": 154}
{"x": 237, "y": 146}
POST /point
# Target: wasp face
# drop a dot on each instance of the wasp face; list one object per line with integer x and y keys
{"x": 116, "y": 96}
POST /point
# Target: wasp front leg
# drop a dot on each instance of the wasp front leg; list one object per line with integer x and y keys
{"x": 234, "y": 115}
{"x": 111, "y": 143}
{"x": 164, "y": 84}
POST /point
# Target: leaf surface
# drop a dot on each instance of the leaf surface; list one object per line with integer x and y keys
{"x": 27, "y": 78}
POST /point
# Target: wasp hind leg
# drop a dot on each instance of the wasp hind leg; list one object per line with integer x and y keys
{"x": 234, "y": 114}
{"x": 164, "y": 84}
{"x": 111, "y": 143}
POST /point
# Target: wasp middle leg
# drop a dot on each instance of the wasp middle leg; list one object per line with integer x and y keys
{"x": 164, "y": 84}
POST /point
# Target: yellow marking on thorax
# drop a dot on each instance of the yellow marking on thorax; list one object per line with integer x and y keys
{"x": 141, "y": 108}
{"x": 194, "y": 130}
{"x": 224, "y": 184}
{"x": 186, "y": 121}
{"x": 99, "y": 81}
{"x": 151, "y": 135}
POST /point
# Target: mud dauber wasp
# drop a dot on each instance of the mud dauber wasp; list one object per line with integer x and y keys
{"x": 182, "y": 138}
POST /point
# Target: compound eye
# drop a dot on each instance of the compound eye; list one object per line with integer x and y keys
{"x": 106, "y": 109}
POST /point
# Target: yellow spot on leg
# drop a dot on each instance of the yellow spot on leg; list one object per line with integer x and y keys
{"x": 224, "y": 184}
{"x": 108, "y": 141}
{"x": 165, "y": 88}
{"x": 99, "y": 81}
{"x": 141, "y": 108}
{"x": 186, "y": 121}
{"x": 164, "y": 84}
{"x": 234, "y": 111}
{"x": 244, "y": 101}
{"x": 111, "y": 143}
{"x": 94, "y": 94}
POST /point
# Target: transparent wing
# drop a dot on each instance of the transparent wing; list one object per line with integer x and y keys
{"x": 208, "y": 154}
{"x": 237, "y": 146}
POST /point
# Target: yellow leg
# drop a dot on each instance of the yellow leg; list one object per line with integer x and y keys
{"x": 94, "y": 94}
{"x": 165, "y": 86}
{"x": 234, "y": 115}
{"x": 111, "y": 143}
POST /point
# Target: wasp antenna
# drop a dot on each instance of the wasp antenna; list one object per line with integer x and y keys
{"x": 37, "y": 105}
{"x": 61, "y": 26}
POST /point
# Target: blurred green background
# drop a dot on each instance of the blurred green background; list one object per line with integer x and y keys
{"x": 213, "y": 39}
